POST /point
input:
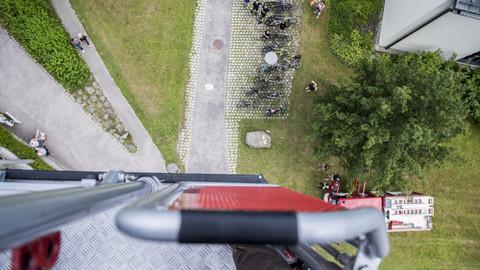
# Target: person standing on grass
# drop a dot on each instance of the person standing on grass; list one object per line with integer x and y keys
{"x": 319, "y": 8}
{"x": 77, "y": 44}
{"x": 84, "y": 38}
{"x": 312, "y": 87}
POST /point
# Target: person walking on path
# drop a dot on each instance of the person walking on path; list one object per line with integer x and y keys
{"x": 312, "y": 87}
{"x": 77, "y": 44}
{"x": 84, "y": 38}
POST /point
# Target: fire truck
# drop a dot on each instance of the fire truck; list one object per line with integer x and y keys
{"x": 403, "y": 212}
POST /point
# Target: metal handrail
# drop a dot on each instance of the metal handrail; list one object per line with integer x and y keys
{"x": 28, "y": 216}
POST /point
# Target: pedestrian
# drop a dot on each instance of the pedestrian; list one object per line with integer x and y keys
{"x": 283, "y": 25}
{"x": 324, "y": 167}
{"x": 255, "y": 7}
{"x": 267, "y": 34}
{"x": 77, "y": 44}
{"x": 42, "y": 151}
{"x": 319, "y": 8}
{"x": 84, "y": 38}
{"x": 246, "y": 2}
{"x": 264, "y": 11}
{"x": 312, "y": 87}
{"x": 314, "y": 3}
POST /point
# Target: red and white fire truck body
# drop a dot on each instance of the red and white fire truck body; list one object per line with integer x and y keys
{"x": 403, "y": 212}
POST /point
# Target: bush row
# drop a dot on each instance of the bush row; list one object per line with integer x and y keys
{"x": 351, "y": 28}
{"x": 472, "y": 95}
{"x": 35, "y": 25}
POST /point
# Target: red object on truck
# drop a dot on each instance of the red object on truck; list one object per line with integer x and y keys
{"x": 360, "y": 202}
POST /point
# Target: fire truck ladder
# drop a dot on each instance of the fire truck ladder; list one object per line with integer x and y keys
{"x": 185, "y": 208}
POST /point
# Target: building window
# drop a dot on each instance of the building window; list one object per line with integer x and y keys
{"x": 473, "y": 59}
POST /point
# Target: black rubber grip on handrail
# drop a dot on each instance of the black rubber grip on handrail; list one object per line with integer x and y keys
{"x": 238, "y": 227}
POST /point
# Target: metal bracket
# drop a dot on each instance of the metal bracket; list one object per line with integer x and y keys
{"x": 154, "y": 183}
{"x": 112, "y": 177}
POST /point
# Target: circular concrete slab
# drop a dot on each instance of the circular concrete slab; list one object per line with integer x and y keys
{"x": 173, "y": 168}
{"x": 271, "y": 58}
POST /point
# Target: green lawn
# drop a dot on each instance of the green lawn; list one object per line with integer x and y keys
{"x": 22, "y": 151}
{"x": 454, "y": 243}
{"x": 145, "y": 45}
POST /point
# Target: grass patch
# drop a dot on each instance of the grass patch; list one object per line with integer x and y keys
{"x": 35, "y": 25}
{"x": 22, "y": 151}
{"x": 352, "y": 28}
{"x": 145, "y": 46}
{"x": 454, "y": 242}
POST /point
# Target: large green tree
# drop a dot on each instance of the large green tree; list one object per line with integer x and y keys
{"x": 393, "y": 118}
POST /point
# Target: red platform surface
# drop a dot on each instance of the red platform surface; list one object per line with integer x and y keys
{"x": 250, "y": 199}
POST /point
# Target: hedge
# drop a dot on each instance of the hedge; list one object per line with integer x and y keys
{"x": 21, "y": 150}
{"x": 35, "y": 25}
{"x": 472, "y": 95}
{"x": 351, "y": 28}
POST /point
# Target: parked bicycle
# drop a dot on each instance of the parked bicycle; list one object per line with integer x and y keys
{"x": 272, "y": 95}
{"x": 291, "y": 61}
{"x": 275, "y": 36}
{"x": 277, "y": 20}
{"x": 246, "y": 104}
{"x": 274, "y": 111}
{"x": 274, "y": 47}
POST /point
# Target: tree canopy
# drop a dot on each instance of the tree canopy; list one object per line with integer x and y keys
{"x": 393, "y": 118}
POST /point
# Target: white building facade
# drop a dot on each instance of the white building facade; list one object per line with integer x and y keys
{"x": 453, "y": 26}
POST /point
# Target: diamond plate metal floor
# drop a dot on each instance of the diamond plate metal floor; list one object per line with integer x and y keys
{"x": 95, "y": 243}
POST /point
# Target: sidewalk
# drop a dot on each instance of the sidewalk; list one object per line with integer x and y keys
{"x": 74, "y": 139}
{"x": 120, "y": 105}
{"x": 208, "y": 142}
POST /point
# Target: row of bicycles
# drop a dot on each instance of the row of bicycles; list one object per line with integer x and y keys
{"x": 270, "y": 84}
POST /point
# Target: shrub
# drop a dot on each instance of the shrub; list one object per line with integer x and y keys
{"x": 472, "y": 95}
{"x": 21, "y": 150}
{"x": 353, "y": 49}
{"x": 351, "y": 28}
{"x": 34, "y": 24}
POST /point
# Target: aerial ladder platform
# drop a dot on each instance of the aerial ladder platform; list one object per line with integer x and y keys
{"x": 133, "y": 220}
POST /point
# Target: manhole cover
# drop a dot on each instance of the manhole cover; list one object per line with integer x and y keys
{"x": 217, "y": 44}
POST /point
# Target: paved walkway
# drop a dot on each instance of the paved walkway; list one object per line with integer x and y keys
{"x": 75, "y": 140}
{"x": 122, "y": 108}
{"x": 207, "y": 149}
